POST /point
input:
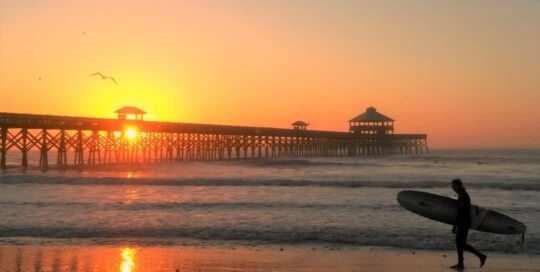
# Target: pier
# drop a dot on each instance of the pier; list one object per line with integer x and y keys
{"x": 67, "y": 140}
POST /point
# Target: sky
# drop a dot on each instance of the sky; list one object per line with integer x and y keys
{"x": 467, "y": 73}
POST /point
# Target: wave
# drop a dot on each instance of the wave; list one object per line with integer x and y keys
{"x": 518, "y": 157}
{"x": 307, "y": 163}
{"x": 451, "y": 157}
{"x": 178, "y": 206}
{"x": 409, "y": 238}
{"x": 501, "y": 156}
{"x": 524, "y": 184}
{"x": 190, "y": 206}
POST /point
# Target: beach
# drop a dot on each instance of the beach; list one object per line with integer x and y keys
{"x": 246, "y": 258}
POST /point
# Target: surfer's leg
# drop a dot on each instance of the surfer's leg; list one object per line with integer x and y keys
{"x": 461, "y": 238}
{"x": 473, "y": 250}
{"x": 478, "y": 254}
{"x": 482, "y": 257}
{"x": 465, "y": 233}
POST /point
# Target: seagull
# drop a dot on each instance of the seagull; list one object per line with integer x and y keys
{"x": 104, "y": 77}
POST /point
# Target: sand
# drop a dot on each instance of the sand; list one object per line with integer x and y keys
{"x": 246, "y": 258}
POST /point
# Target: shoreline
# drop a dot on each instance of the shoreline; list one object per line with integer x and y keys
{"x": 275, "y": 257}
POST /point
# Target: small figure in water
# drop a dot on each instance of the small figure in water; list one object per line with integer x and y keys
{"x": 462, "y": 225}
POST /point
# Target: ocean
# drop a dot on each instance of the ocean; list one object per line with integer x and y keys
{"x": 342, "y": 201}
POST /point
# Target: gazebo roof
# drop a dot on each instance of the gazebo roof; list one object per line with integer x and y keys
{"x": 130, "y": 110}
{"x": 300, "y": 123}
{"x": 371, "y": 115}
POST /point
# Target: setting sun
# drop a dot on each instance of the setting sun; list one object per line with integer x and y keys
{"x": 131, "y": 133}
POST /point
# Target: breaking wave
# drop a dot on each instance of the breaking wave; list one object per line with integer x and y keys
{"x": 408, "y": 238}
{"x": 523, "y": 184}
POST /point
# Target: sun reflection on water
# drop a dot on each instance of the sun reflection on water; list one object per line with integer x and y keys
{"x": 128, "y": 260}
{"x": 132, "y": 194}
{"x": 130, "y": 174}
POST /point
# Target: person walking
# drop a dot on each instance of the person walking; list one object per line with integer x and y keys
{"x": 463, "y": 224}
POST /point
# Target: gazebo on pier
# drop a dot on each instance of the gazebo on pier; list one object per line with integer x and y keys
{"x": 371, "y": 122}
{"x": 125, "y": 112}
{"x": 300, "y": 125}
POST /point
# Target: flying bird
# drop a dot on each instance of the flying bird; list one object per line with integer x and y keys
{"x": 104, "y": 77}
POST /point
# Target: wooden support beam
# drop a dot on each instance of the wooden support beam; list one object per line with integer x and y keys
{"x": 61, "y": 160}
{"x": 3, "y": 146}
{"x": 24, "y": 148}
{"x": 44, "y": 149}
{"x": 79, "y": 149}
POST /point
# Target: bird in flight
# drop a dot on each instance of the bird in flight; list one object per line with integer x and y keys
{"x": 104, "y": 77}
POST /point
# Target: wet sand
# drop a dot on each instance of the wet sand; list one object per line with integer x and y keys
{"x": 246, "y": 258}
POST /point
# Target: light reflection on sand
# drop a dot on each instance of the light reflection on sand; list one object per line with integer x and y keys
{"x": 128, "y": 260}
{"x": 312, "y": 258}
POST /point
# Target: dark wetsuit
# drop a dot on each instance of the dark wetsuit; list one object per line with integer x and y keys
{"x": 463, "y": 223}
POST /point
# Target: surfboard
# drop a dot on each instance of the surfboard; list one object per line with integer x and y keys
{"x": 444, "y": 209}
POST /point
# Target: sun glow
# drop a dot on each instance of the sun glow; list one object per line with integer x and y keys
{"x": 128, "y": 260}
{"x": 131, "y": 133}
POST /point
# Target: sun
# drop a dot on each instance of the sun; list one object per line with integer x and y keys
{"x": 131, "y": 133}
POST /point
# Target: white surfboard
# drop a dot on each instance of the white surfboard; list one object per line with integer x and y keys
{"x": 444, "y": 209}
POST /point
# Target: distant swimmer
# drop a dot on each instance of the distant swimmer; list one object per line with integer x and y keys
{"x": 104, "y": 77}
{"x": 463, "y": 224}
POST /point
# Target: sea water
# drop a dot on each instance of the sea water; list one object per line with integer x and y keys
{"x": 343, "y": 200}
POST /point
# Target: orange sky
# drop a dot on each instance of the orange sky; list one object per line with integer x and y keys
{"x": 466, "y": 73}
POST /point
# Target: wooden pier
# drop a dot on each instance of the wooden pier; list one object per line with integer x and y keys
{"x": 65, "y": 140}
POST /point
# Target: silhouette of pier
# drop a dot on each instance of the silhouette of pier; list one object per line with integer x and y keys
{"x": 89, "y": 141}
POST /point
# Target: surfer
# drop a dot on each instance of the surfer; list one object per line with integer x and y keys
{"x": 462, "y": 225}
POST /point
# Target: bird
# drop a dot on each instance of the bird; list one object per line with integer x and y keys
{"x": 104, "y": 77}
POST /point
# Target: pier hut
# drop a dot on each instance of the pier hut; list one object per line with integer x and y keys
{"x": 129, "y": 112}
{"x": 372, "y": 122}
{"x": 300, "y": 125}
